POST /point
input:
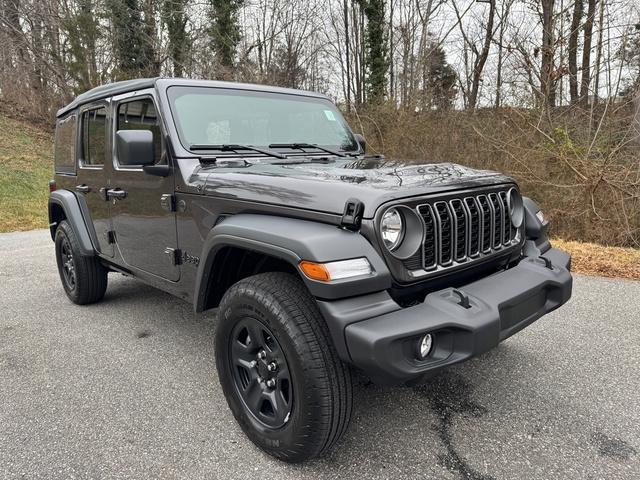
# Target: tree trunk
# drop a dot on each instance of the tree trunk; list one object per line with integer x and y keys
{"x": 547, "y": 70}
{"x": 573, "y": 50}
{"x": 482, "y": 57}
{"x": 347, "y": 56}
{"x": 596, "y": 88}
{"x": 586, "y": 54}
{"x": 504, "y": 13}
{"x": 390, "y": 59}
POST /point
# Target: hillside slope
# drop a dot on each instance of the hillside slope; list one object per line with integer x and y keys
{"x": 26, "y": 166}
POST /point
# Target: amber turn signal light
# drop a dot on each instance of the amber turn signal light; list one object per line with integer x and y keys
{"x": 315, "y": 271}
{"x": 327, "y": 272}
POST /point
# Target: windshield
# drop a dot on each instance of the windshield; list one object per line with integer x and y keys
{"x": 219, "y": 116}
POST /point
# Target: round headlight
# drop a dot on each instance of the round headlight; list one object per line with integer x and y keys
{"x": 392, "y": 228}
{"x": 516, "y": 208}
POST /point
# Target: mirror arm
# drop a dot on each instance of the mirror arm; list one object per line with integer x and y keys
{"x": 157, "y": 170}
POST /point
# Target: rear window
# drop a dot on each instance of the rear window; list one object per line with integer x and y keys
{"x": 65, "y": 145}
{"x": 94, "y": 136}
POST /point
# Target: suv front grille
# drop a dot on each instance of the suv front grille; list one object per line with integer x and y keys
{"x": 461, "y": 230}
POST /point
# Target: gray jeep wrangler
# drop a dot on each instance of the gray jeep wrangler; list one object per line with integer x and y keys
{"x": 261, "y": 202}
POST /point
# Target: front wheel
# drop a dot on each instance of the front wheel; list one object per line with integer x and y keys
{"x": 278, "y": 369}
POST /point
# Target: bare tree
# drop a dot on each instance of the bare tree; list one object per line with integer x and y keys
{"x": 547, "y": 68}
{"x": 576, "y": 20}
{"x": 586, "y": 53}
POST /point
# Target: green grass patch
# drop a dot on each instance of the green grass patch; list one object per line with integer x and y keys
{"x": 26, "y": 166}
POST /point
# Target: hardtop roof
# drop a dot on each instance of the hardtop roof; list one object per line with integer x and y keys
{"x": 126, "y": 86}
{"x": 108, "y": 90}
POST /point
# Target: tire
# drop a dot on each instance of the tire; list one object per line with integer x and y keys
{"x": 83, "y": 278}
{"x": 312, "y": 397}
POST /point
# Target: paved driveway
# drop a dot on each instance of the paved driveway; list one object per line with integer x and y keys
{"x": 128, "y": 389}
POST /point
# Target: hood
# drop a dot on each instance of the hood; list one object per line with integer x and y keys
{"x": 325, "y": 185}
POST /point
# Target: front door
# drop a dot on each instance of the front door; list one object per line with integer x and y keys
{"x": 92, "y": 177}
{"x": 145, "y": 229}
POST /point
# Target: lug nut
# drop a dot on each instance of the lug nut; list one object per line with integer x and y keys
{"x": 262, "y": 354}
{"x": 272, "y": 367}
{"x": 271, "y": 383}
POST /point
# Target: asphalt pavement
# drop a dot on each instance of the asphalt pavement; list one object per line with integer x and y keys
{"x": 127, "y": 388}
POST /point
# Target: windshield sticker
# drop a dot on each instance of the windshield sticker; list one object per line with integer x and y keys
{"x": 330, "y": 116}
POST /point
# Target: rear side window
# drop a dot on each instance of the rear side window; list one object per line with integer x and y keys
{"x": 65, "y": 143}
{"x": 94, "y": 135}
{"x": 141, "y": 115}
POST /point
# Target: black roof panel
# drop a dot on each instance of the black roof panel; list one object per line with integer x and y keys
{"x": 116, "y": 88}
{"x": 108, "y": 90}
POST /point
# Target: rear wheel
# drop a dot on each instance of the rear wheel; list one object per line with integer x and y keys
{"x": 83, "y": 278}
{"x": 279, "y": 371}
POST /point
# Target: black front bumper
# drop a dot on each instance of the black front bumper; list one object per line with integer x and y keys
{"x": 384, "y": 344}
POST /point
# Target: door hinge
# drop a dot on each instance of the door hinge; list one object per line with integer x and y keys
{"x": 168, "y": 202}
{"x": 353, "y": 212}
{"x": 111, "y": 237}
{"x": 175, "y": 255}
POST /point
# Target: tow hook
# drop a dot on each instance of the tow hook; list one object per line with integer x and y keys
{"x": 547, "y": 262}
{"x": 464, "y": 299}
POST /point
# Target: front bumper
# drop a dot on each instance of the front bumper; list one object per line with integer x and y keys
{"x": 384, "y": 344}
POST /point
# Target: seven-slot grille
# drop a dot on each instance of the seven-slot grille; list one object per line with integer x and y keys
{"x": 463, "y": 229}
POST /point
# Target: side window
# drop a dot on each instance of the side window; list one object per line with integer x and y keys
{"x": 65, "y": 145}
{"x": 94, "y": 124}
{"x": 141, "y": 115}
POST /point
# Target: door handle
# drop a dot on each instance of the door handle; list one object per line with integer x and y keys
{"x": 116, "y": 193}
{"x": 83, "y": 188}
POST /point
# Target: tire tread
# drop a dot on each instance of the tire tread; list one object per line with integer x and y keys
{"x": 91, "y": 275}
{"x": 333, "y": 383}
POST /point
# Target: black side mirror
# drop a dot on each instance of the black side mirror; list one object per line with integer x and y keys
{"x": 361, "y": 141}
{"x": 135, "y": 147}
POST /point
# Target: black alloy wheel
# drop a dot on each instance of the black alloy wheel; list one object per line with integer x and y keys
{"x": 280, "y": 373}
{"x": 83, "y": 276}
{"x": 261, "y": 373}
{"x": 68, "y": 264}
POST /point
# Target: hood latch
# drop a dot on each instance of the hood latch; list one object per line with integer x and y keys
{"x": 352, "y": 216}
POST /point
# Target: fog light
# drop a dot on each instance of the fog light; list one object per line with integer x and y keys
{"x": 425, "y": 345}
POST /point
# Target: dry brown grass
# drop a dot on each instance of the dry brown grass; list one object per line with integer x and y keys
{"x": 26, "y": 163}
{"x": 585, "y": 174}
{"x": 594, "y": 259}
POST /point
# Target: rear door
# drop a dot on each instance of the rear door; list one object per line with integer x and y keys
{"x": 144, "y": 226}
{"x": 92, "y": 177}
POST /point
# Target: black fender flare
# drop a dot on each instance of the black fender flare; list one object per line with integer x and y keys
{"x": 293, "y": 240}
{"x": 73, "y": 213}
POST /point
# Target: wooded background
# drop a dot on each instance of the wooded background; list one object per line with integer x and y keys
{"x": 541, "y": 89}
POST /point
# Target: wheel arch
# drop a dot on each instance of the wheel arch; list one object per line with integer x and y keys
{"x": 233, "y": 261}
{"x": 63, "y": 205}
{"x": 281, "y": 243}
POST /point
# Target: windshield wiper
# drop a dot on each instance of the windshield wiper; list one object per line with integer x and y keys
{"x": 302, "y": 146}
{"x": 233, "y": 147}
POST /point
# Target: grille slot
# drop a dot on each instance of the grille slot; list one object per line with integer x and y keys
{"x": 509, "y": 230}
{"x": 459, "y": 230}
{"x": 445, "y": 232}
{"x": 487, "y": 223}
{"x": 474, "y": 226}
{"x": 497, "y": 220}
{"x": 429, "y": 248}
